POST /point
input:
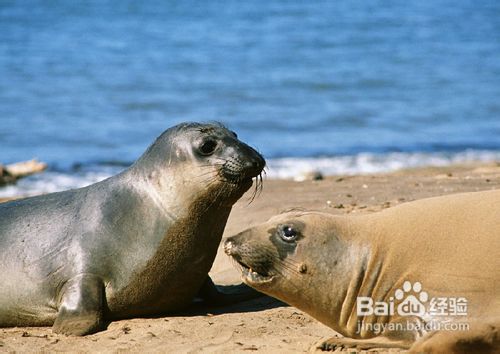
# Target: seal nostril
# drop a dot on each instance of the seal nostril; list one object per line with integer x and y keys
{"x": 228, "y": 245}
{"x": 256, "y": 165}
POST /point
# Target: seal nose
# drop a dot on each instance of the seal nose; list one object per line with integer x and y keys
{"x": 255, "y": 164}
{"x": 231, "y": 249}
{"x": 228, "y": 246}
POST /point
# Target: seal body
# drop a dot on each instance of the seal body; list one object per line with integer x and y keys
{"x": 382, "y": 279}
{"x": 139, "y": 243}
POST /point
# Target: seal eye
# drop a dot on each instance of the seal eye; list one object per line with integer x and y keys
{"x": 208, "y": 147}
{"x": 287, "y": 233}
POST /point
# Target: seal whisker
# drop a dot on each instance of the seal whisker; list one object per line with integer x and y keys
{"x": 206, "y": 179}
{"x": 289, "y": 261}
{"x": 211, "y": 181}
{"x": 206, "y": 174}
{"x": 254, "y": 193}
{"x": 292, "y": 267}
{"x": 281, "y": 270}
{"x": 214, "y": 199}
{"x": 258, "y": 188}
{"x": 236, "y": 264}
{"x": 211, "y": 165}
{"x": 260, "y": 183}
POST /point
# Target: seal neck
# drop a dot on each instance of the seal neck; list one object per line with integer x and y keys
{"x": 351, "y": 269}
{"x": 160, "y": 187}
{"x": 369, "y": 268}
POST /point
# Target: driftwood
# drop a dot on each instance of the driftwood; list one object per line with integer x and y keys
{"x": 12, "y": 172}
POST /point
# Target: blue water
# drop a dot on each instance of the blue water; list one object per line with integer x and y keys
{"x": 93, "y": 83}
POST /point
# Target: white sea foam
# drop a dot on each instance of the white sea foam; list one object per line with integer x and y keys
{"x": 365, "y": 163}
{"x": 281, "y": 168}
{"x": 51, "y": 181}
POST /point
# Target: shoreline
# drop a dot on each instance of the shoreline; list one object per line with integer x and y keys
{"x": 60, "y": 176}
{"x": 264, "y": 324}
{"x": 312, "y": 174}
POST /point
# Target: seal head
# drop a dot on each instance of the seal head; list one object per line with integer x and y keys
{"x": 208, "y": 155}
{"x": 276, "y": 258}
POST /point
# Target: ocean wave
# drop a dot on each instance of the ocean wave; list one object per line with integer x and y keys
{"x": 280, "y": 168}
{"x": 367, "y": 163}
{"x": 55, "y": 181}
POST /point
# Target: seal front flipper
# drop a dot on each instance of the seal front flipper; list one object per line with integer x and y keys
{"x": 80, "y": 306}
{"x": 335, "y": 343}
{"x": 211, "y": 295}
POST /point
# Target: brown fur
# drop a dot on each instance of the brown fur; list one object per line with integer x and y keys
{"x": 174, "y": 264}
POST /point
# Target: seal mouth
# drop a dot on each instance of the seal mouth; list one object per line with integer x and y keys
{"x": 246, "y": 181}
{"x": 257, "y": 274}
{"x": 242, "y": 184}
{"x": 251, "y": 276}
{"x": 241, "y": 174}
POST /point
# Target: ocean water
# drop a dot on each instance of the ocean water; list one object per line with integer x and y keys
{"x": 337, "y": 86}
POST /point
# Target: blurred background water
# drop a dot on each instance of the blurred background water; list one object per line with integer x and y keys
{"x": 339, "y": 86}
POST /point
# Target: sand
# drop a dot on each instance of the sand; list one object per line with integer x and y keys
{"x": 265, "y": 325}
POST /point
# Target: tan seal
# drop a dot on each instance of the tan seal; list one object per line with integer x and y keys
{"x": 426, "y": 271}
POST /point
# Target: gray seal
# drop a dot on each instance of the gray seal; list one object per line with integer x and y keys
{"x": 139, "y": 243}
{"x": 422, "y": 274}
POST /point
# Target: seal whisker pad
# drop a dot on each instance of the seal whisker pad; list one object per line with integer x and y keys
{"x": 163, "y": 215}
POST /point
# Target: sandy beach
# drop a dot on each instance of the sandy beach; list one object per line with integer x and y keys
{"x": 264, "y": 325}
